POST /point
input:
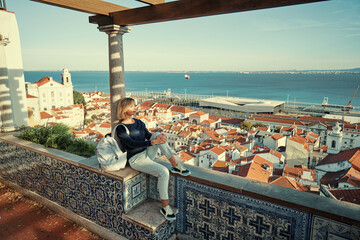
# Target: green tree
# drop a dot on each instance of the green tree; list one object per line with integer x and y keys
{"x": 88, "y": 121}
{"x": 245, "y": 125}
{"x": 94, "y": 117}
{"x": 256, "y": 125}
{"x": 78, "y": 98}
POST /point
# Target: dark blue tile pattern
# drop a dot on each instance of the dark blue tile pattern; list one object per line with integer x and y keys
{"x": 207, "y": 212}
{"x": 94, "y": 196}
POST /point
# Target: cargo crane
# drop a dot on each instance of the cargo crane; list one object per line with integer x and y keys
{"x": 348, "y": 107}
{"x": 353, "y": 95}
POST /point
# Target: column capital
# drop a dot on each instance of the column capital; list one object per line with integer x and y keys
{"x": 114, "y": 29}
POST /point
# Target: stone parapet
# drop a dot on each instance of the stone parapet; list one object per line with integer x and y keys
{"x": 211, "y": 204}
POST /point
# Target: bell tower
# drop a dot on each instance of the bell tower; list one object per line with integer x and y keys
{"x": 66, "y": 77}
{"x": 334, "y": 140}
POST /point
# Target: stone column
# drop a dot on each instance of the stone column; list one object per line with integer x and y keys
{"x": 116, "y": 66}
{"x": 6, "y": 114}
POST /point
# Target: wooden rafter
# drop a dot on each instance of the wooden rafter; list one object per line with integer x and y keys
{"x": 189, "y": 9}
{"x": 152, "y": 2}
{"x": 88, "y": 6}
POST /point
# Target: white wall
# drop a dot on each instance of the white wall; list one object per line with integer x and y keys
{"x": 14, "y": 66}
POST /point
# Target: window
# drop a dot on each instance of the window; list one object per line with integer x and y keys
{"x": 333, "y": 144}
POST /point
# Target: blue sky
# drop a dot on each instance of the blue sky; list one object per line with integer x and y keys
{"x": 324, "y": 35}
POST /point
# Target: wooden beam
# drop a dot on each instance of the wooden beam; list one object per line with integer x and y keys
{"x": 87, "y": 6}
{"x": 152, "y": 2}
{"x": 183, "y": 9}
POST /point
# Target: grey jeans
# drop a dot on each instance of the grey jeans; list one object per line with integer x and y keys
{"x": 144, "y": 162}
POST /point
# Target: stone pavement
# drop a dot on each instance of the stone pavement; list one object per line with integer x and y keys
{"x": 24, "y": 219}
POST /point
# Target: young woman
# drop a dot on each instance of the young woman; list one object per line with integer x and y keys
{"x": 142, "y": 147}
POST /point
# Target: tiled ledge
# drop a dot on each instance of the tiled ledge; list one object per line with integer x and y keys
{"x": 326, "y": 207}
{"x": 221, "y": 198}
{"x": 86, "y": 163}
{"x": 78, "y": 184}
{"x": 330, "y": 208}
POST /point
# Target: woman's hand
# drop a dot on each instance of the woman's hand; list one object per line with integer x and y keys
{"x": 161, "y": 139}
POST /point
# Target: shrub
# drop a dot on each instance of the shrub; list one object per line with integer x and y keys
{"x": 59, "y": 137}
{"x": 81, "y": 147}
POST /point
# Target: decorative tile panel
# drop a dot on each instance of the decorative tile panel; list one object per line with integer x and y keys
{"x": 207, "y": 212}
{"x": 324, "y": 229}
{"x": 89, "y": 194}
{"x": 135, "y": 191}
{"x": 154, "y": 192}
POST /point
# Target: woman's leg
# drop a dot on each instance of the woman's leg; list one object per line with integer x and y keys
{"x": 143, "y": 163}
{"x": 164, "y": 148}
{"x": 169, "y": 154}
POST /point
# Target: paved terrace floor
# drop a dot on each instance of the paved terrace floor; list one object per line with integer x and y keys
{"x": 24, "y": 219}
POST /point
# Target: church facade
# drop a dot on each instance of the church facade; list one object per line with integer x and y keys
{"x": 50, "y": 93}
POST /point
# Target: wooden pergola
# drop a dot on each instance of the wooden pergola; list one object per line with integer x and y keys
{"x": 114, "y": 19}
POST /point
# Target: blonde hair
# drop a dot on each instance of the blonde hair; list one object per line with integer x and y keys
{"x": 123, "y": 107}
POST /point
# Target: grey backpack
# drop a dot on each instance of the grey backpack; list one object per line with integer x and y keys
{"x": 110, "y": 155}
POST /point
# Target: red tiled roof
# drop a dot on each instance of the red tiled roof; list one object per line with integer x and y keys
{"x": 44, "y": 115}
{"x": 214, "y": 135}
{"x": 317, "y": 119}
{"x": 30, "y": 96}
{"x": 105, "y": 125}
{"x": 255, "y": 170}
{"x": 219, "y": 164}
{"x": 278, "y": 120}
{"x": 176, "y": 129}
{"x": 331, "y": 178}
{"x": 146, "y": 105}
{"x": 186, "y": 156}
{"x": 276, "y": 136}
{"x": 289, "y": 183}
{"x": 161, "y": 105}
{"x": 300, "y": 140}
{"x": 262, "y": 129}
{"x": 199, "y": 113}
{"x": 184, "y": 134}
{"x": 42, "y": 81}
{"x": 347, "y": 195}
{"x": 218, "y": 151}
{"x": 273, "y": 152}
{"x": 181, "y": 109}
{"x": 345, "y": 155}
{"x": 233, "y": 121}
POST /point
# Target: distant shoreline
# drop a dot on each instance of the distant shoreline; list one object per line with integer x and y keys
{"x": 347, "y": 71}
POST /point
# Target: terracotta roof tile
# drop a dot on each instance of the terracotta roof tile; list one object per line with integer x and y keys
{"x": 219, "y": 164}
{"x": 276, "y": 136}
{"x": 181, "y": 109}
{"x": 186, "y": 156}
{"x": 300, "y": 140}
{"x": 42, "y": 81}
{"x": 347, "y": 195}
{"x": 218, "y": 151}
{"x": 199, "y": 113}
{"x": 184, "y": 134}
{"x": 346, "y": 155}
{"x": 278, "y": 120}
{"x": 30, "y": 96}
{"x": 44, "y": 115}
{"x": 289, "y": 183}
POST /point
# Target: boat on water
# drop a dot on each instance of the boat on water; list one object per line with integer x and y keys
{"x": 187, "y": 76}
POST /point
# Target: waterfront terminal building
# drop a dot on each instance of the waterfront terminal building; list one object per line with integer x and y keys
{"x": 248, "y": 105}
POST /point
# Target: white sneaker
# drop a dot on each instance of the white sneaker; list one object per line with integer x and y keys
{"x": 168, "y": 213}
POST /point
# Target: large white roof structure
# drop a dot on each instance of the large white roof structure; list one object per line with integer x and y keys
{"x": 243, "y": 104}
